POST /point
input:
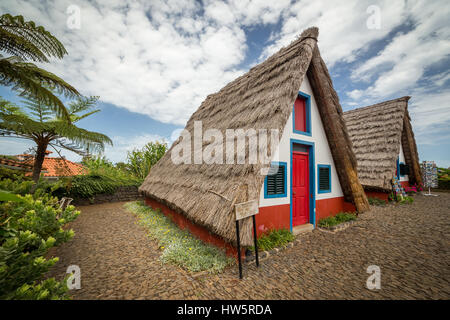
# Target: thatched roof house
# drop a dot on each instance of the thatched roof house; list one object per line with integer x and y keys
{"x": 381, "y": 134}
{"x": 262, "y": 98}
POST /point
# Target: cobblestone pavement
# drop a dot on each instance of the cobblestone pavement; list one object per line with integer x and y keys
{"x": 410, "y": 244}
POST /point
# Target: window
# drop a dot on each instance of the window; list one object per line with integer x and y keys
{"x": 324, "y": 176}
{"x": 404, "y": 169}
{"x": 302, "y": 114}
{"x": 275, "y": 182}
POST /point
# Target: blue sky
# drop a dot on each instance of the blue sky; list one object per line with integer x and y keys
{"x": 152, "y": 63}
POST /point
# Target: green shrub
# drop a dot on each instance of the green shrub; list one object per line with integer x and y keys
{"x": 341, "y": 217}
{"x": 27, "y": 230}
{"x": 178, "y": 246}
{"x": 274, "y": 239}
{"x": 376, "y": 202}
{"x": 407, "y": 200}
{"x": 103, "y": 177}
{"x": 21, "y": 186}
{"x": 49, "y": 289}
{"x": 6, "y": 173}
{"x": 444, "y": 184}
{"x": 139, "y": 161}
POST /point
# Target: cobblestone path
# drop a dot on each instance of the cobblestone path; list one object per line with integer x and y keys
{"x": 410, "y": 244}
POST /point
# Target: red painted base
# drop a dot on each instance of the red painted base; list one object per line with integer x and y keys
{"x": 378, "y": 194}
{"x": 279, "y": 217}
{"x": 330, "y": 207}
{"x": 200, "y": 232}
{"x": 273, "y": 217}
{"x": 405, "y": 184}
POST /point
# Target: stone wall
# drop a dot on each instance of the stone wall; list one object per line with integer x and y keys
{"x": 122, "y": 194}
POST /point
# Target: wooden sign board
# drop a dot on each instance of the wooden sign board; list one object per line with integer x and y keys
{"x": 246, "y": 209}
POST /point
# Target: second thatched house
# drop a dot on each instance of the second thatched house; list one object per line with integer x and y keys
{"x": 384, "y": 145}
{"x": 312, "y": 170}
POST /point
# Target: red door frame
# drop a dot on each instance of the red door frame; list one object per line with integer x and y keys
{"x": 304, "y": 190}
{"x": 312, "y": 174}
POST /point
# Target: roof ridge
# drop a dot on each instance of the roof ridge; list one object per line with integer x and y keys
{"x": 379, "y": 104}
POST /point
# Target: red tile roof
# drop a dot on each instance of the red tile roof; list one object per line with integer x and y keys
{"x": 17, "y": 164}
{"x": 59, "y": 167}
{"x": 51, "y": 167}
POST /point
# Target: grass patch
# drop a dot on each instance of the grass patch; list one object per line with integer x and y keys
{"x": 341, "y": 217}
{"x": 274, "y": 239}
{"x": 376, "y": 202}
{"x": 178, "y": 246}
{"x": 406, "y": 200}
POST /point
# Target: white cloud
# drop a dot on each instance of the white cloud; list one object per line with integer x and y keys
{"x": 163, "y": 58}
{"x": 342, "y": 28}
{"x": 409, "y": 54}
{"x": 157, "y": 58}
{"x": 355, "y": 94}
{"x": 430, "y": 113}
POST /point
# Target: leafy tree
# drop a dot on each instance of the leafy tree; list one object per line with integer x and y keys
{"x": 140, "y": 161}
{"x": 23, "y": 40}
{"x": 46, "y": 128}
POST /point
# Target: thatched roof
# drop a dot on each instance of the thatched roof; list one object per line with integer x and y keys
{"x": 260, "y": 99}
{"x": 376, "y": 132}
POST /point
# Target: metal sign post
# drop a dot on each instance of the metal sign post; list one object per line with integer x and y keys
{"x": 245, "y": 210}
{"x": 429, "y": 177}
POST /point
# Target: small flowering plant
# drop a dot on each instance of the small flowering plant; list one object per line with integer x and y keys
{"x": 414, "y": 188}
{"x": 411, "y": 189}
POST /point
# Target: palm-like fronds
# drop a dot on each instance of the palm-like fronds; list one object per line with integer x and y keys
{"x": 26, "y": 40}
{"x": 54, "y": 130}
{"x": 82, "y": 104}
{"x": 35, "y": 83}
{"x": 79, "y": 138}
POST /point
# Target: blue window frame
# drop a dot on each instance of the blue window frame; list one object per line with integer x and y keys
{"x": 275, "y": 185}
{"x": 323, "y": 178}
{"x": 398, "y": 169}
{"x": 307, "y": 98}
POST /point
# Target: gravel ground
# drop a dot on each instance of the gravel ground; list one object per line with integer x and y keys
{"x": 410, "y": 244}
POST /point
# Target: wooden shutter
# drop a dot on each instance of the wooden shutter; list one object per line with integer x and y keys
{"x": 324, "y": 179}
{"x": 404, "y": 169}
{"x": 276, "y": 182}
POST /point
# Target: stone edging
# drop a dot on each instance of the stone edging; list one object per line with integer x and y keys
{"x": 265, "y": 254}
{"x": 130, "y": 193}
{"x": 339, "y": 227}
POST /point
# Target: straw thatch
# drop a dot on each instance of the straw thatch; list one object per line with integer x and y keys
{"x": 260, "y": 99}
{"x": 376, "y": 132}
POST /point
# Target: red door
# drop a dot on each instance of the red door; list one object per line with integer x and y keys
{"x": 300, "y": 188}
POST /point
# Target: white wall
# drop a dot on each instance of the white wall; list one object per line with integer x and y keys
{"x": 322, "y": 153}
{"x": 401, "y": 157}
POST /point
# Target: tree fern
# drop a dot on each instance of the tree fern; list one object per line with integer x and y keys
{"x": 47, "y": 129}
{"x": 26, "y": 41}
